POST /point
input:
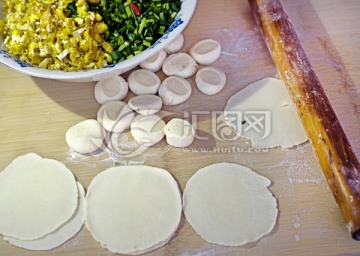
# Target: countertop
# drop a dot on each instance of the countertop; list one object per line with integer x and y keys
{"x": 36, "y": 113}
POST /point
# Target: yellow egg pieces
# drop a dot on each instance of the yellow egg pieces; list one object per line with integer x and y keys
{"x": 42, "y": 33}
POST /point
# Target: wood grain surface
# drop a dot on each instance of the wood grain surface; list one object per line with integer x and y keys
{"x": 35, "y": 114}
{"x": 337, "y": 159}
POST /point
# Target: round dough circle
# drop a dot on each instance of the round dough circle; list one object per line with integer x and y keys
{"x": 113, "y": 88}
{"x": 174, "y": 90}
{"x": 133, "y": 209}
{"x": 229, "y": 204}
{"x": 86, "y": 136}
{"x": 179, "y": 64}
{"x": 143, "y": 81}
{"x": 115, "y": 116}
{"x": 37, "y": 196}
{"x": 59, "y": 236}
{"x": 269, "y": 114}
{"x": 210, "y": 80}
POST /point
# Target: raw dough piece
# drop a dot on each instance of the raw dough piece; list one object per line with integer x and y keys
{"x": 86, "y": 136}
{"x": 229, "y": 204}
{"x": 206, "y": 51}
{"x": 179, "y": 64}
{"x": 174, "y": 90}
{"x": 115, "y": 116}
{"x": 270, "y": 116}
{"x": 154, "y": 63}
{"x": 176, "y": 45}
{"x": 133, "y": 209}
{"x": 143, "y": 81}
{"x": 145, "y": 104}
{"x": 147, "y": 130}
{"x": 59, "y": 236}
{"x": 179, "y": 133}
{"x": 114, "y": 88}
{"x": 37, "y": 196}
{"x": 210, "y": 80}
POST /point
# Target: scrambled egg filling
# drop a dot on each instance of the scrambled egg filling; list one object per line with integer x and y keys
{"x": 42, "y": 33}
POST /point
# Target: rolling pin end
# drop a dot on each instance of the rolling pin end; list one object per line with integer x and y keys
{"x": 356, "y": 235}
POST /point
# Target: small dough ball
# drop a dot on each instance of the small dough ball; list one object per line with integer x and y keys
{"x": 52, "y": 240}
{"x": 133, "y": 209}
{"x": 155, "y": 62}
{"x": 229, "y": 204}
{"x": 176, "y": 45}
{"x": 143, "y": 81}
{"x": 174, "y": 90}
{"x": 37, "y": 196}
{"x": 210, "y": 80}
{"x": 114, "y": 88}
{"x": 179, "y": 133}
{"x": 86, "y": 136}
{"x": 147, "y": 130}
{"x": 115, "y": 116}
{"x": 179, "y": 64}
{"x": 206, "y": 52}
{"x": 146, "y": 104}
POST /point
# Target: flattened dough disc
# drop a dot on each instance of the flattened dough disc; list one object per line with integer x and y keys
{"x": 133, "y": 209}
{"x": 269, "y": 114}
{"x": 229, "y": 204}
{"x": 37, "y": 196}
{"x": 59, "y": 236}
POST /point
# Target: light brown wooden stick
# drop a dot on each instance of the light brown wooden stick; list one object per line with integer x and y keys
{"x": 337, "y": 159}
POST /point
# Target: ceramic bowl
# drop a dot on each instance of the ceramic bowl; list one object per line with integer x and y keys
{"x": 179, "y": 24}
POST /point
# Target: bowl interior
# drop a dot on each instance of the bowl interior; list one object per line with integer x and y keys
{"x": 179, "y": 24}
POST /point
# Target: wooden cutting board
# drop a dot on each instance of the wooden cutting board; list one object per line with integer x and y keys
{"x": 35, "y": 114}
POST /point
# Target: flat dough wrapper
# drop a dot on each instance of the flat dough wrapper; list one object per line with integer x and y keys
{"x": 267, "y": 99}
{"x": 59, "y": 236}
{"x": 37, "y": 196}
{"x": 133, "y": 209}
{"x": 229, "y": 204}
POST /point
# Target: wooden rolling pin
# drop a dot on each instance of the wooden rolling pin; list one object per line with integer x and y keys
{"x": 337, "y": 159}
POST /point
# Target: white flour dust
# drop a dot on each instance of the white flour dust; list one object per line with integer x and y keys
{"x": 249, "y": 47}
{"x": 303, "y": 169}
{"x": 297, "y": 238}
{"x": 118, "y": 150}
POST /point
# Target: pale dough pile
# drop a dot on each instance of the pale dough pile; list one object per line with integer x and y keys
{"x": 145, "y": 104}
{"x": 59, "y": 236}
{"x": 133, "y": 209}
{"x": 179, "y": 64}
{"x": 37, "y": 196}
{"x": 274, "y": 120}
{"x": 85, "y": 137}
{"x": 143, "y": 81}
{"x": 115, "y": 116}
{"x": 147, "y": 130}
{"x": 229, "y": 204}
{"x": 176, "y": 45}
{"x": 210, "y": 80}
{"x": 113, "y": 88}
{"x": 154, "y": 63}
{"x": 174, "y": 90}
{"x": 206, "y": 51}
{"x": 179, "y": 133}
